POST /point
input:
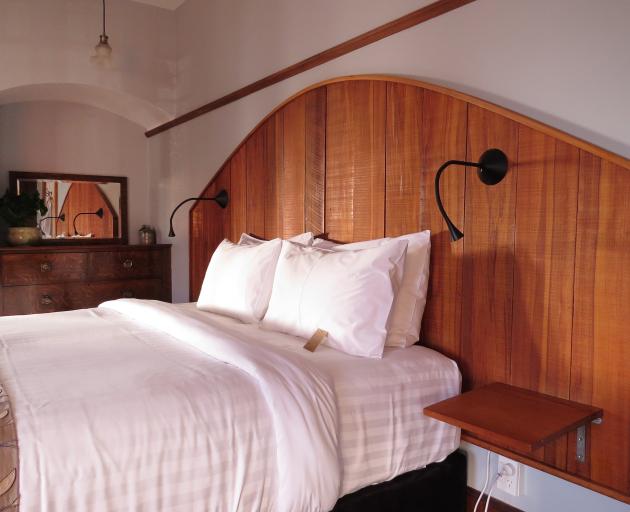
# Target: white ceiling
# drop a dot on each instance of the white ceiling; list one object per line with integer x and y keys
{"x": 165, "y": 4}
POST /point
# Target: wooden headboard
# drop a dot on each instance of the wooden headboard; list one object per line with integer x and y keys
{"x": 535, "y": 293}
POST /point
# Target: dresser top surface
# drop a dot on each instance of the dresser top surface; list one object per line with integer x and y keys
{"x": 34, "y": 249}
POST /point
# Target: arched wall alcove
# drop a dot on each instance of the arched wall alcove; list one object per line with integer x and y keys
{"x": 79, "y": 129}
{"x": 129, "y": 107}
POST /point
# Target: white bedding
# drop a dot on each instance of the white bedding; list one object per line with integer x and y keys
{"x": 119, "y": 414}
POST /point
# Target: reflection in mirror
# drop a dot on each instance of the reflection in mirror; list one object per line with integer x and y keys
{"x": 80, "y": 208}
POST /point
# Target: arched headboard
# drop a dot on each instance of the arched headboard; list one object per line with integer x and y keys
{"x": 535, "y": 293}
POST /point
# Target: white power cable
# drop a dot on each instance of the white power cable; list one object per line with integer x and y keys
{"x": 490, "y": 492}
{"x": 506, "y": 470}
{"x": 485, "y": 484}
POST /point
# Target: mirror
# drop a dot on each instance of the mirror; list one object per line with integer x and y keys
{"x": 81, "y": 208}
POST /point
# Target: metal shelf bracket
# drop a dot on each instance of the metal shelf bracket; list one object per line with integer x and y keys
{"x": 580, "y": 448}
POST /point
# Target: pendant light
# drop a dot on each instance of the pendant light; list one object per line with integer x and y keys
{"x": 102, "y": 51}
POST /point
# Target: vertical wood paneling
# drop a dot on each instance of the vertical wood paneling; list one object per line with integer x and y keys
{"x": 209, "y": 225}
{"x": 255, "y": 183}
{"x": 535, "y": 294}
{"x": 261, "y": 180}
{"x": 404, "y": 159}
{"x": 87, "y": 197}
{"x": 238, "y": 194}
{"x": 355, "y": 160}
{"x": 293, "y": 167}
{"x": 443, "y": 138}
{"x": 315, "y": 161}
{"x": 582, "y": 345}
{"x": 585, "y": 277}
{"x": 274, "y": 170}
{"x": 546, "y": 211}
{"x": 489, "y": 253}
{"x": 601, "y": 339}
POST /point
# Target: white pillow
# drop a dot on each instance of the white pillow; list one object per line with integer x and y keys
{"x": 239, "y": 280}
{"x": 327, "y": 244}
{"x": 411, "y": 298}
{"x": 303, "y": 238}
{"x": 347, "y": 294}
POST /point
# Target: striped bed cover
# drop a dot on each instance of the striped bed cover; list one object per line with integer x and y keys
{"x": 123, "y": 416}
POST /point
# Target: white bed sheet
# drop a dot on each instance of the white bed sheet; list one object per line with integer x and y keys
{"x": 382, "y": 431}
{"x": 177, "y": 430}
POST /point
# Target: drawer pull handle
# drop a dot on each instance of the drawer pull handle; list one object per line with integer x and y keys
{"x": 46, "y": 300}
{"x": 128, "y": 263}
{"x": 127, "y": 294}
{"x": 46, "y": 266}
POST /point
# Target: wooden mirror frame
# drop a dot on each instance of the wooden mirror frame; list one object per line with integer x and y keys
{"x": 123, "y": 239}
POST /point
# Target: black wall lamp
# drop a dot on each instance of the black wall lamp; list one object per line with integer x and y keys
{"x": 61, "y": 217}
{"x": 221, "y": 199}
{"x": 99, "y": 213}
{"x": 491, "y": 169}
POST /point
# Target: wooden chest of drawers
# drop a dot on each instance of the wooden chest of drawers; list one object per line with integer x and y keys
{"x": 46, "y": 279}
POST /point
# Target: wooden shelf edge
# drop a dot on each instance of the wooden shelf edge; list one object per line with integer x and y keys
{"x": 508, "y": 442}
{"x": 595, "y": 415}
{"x": 453, "y": 412}
{"x": 541, "y": 466}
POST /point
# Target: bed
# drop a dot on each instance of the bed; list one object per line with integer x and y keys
{"x": 142, "y": 405}
{"x": 350, "y": 159}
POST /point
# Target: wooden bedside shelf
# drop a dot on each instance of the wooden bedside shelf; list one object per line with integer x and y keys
{"x": 513, "y": 418}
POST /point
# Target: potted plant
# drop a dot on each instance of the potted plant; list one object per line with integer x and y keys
{"x": 19, "y": 212}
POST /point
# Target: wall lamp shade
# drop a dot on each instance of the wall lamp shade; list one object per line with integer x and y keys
{"x": 221, "y": 199}
{"x": 99, "y": 213}
{"x": 491, "y": 169}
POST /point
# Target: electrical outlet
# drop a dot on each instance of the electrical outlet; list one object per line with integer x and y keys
{"x": 510, "y": 472}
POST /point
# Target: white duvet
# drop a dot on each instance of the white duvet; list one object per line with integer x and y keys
{"x": 140, "y": 405}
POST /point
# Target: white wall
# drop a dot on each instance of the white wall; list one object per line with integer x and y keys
{"x": 72, "y": 138}
{"x": 50, "y": 42}
{"x": 223, "y": 45}
{"x": 540, "y": 492}
{"x": 564, "y": 62}
{"x": 45, "y": 49}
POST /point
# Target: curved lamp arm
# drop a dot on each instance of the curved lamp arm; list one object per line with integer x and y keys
{"x": 61, "y": 217}
{"x": 99, "y": 213}
{"x": 491, "y": 169}
{"x": 221, "y": 199}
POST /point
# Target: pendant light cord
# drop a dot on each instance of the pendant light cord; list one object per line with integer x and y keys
{"x": 104, "y": 33}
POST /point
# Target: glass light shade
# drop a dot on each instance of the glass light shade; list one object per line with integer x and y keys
{"x": 102, "y": 52}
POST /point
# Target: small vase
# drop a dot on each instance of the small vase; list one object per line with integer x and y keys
{"x": 24, "y": 236}
{"x": 147, "y": 235}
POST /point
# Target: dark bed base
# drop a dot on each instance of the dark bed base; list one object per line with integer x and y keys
{"x": 439, "y": 487}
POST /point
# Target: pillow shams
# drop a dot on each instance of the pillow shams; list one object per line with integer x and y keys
{"x": 347, "y": 294}
{"x": 239, "y": 280}
{"x": 411, "y": 298}
{"x": 302, "y": 238}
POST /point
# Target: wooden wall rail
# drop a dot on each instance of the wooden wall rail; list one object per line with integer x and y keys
{"x": 393, "y": 27}
{"x": 534, "y": 295}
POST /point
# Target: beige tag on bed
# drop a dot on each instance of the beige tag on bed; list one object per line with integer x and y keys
{"x": 315, "y": 340}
